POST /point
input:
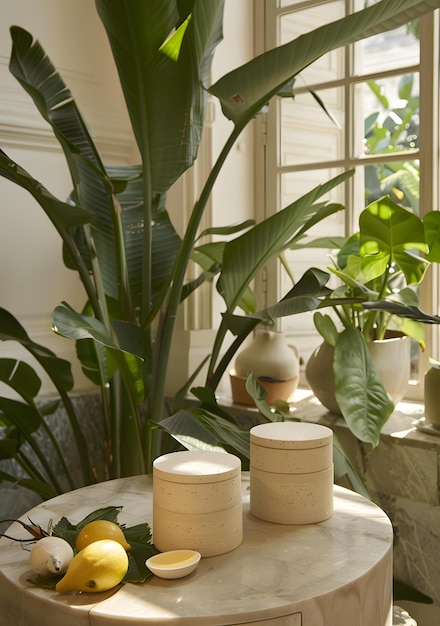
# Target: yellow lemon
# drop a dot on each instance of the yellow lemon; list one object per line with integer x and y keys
{"x": 100, "y": 529}
{"x": 99, "y": 566}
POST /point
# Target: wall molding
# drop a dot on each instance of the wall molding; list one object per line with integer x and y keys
{"x": 21, "y": 127}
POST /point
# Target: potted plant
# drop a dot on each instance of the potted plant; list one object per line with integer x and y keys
{"x": 118, "y": 236}
{"x": 384, "y": 262}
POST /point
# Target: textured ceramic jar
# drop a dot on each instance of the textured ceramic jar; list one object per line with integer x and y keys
{"x": 197, "y": 502}
{"x": 291, "y": 472}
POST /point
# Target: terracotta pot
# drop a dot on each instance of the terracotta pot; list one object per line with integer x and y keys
{"x": 391, "y": 357}
{"x": 276, "y": 390}
{"x": 272, "y": 361}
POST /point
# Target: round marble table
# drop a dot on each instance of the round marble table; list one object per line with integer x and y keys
{"x": 338, "y": 572}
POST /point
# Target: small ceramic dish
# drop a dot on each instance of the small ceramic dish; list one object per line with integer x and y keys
{"x": 174, "y": 563}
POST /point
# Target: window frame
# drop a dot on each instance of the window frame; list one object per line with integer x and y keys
{"x": 267, "y": 170}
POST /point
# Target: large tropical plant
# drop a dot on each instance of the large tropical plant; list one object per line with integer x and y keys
{"x": 116, "y": 230}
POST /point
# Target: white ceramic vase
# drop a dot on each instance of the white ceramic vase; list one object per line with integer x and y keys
{"x": 272, "y": 361}
{"x": 269, "y": 356}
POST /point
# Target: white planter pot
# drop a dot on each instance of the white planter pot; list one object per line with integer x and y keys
{"x": 391, "y": 357}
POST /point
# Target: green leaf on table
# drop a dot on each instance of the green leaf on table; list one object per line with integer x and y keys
{"x": 138, "y": 536}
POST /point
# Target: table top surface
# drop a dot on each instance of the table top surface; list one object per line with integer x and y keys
{"x": 271, "y": 574}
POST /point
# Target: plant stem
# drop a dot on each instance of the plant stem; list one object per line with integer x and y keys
{"x": 374, "y": 315}
{"x": 121, "y": 260}
{"x": 166, "y": 324}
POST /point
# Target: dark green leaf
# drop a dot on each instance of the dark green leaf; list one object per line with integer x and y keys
{"x": 42, "y": 489}
{"x": 72, "y": 325}
{"x": 344, "y": 467}
{"x": 402, "y": 310}
{"x": 360, "y": 394}
{"x": 25, "y": 417}
{"x": 326, "y": 328}
{"x": 59, "y": 370}
{"x": 21, "y": 377}
{"x": 246, "y": 254}
{"x": 244, "y": 91}
{"x": 258, "y": 393}
{"x": 161, "y": 52}
{"x": 402, "y": 591}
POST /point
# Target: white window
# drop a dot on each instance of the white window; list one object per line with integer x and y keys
{"x": 381, "y": 118}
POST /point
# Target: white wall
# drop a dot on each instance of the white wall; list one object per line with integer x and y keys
{"x": 232, "y": 199}
{"x": 33, "y": 279}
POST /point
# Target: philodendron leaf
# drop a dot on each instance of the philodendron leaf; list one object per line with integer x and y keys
{"x": 363, "y": 401}
{"x": 391, "y": 234}
{"x": 431, "y": 223}
{"x": 326, "y": 328}
{"x": 402, "y": 310}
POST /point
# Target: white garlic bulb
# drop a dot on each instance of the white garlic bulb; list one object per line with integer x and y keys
{"x": 50, "y": 556}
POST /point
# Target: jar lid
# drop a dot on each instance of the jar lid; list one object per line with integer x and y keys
{"x": 291, "y": 435}
{"x": 196, "y": 467}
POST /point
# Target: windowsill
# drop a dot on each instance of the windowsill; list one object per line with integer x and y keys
{"x": 400, "y": 425}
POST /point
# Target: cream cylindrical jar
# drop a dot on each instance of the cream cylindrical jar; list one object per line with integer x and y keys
{"x": 197, "y": 502}
{"x": 291, "y": 472}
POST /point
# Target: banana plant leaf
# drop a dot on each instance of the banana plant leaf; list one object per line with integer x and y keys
{"x": 72, "y": 325}
{"x": 159, "y": 89}
{"x": 62, "y": 214}
{"x": 20, "y": 377}
{"x": 24, "y": 417}
{"x": 245, "y": 255}
{"x": 41, "y": 488}
{"x": 59, "y": 370}
{"x": 250, "y": 87}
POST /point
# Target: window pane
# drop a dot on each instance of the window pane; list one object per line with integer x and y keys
{"x": 294, "y": 185}
{"x": 309, "y": 132}
{"x": 398, "y": 179}
{"x": 391, "y": 114}
{"x": 291, "y": 25}
{"x": 388, "y": 51}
